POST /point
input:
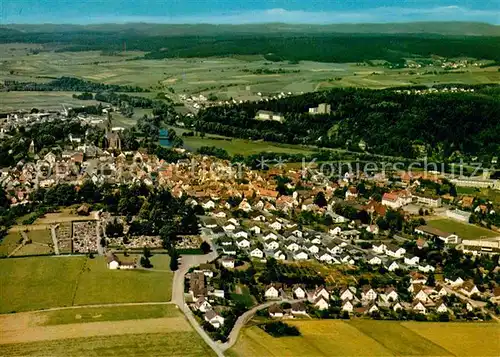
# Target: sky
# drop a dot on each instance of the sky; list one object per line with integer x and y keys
{"x": 247, "y": 11}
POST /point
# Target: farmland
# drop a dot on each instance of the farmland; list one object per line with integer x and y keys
{"x": 124, "y": 330}
{"x": 238, "y": 77}
{"x": 463, "y": 230}
{"x": 44, "y": 282}
{"x": 372, "y": 338}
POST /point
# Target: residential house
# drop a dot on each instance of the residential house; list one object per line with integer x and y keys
{"x": 270, "y": 235}
{"x": 351, "y": 193}
{"x": 321, "y": 291}
{"x": 428, "y": 200}
{"x": 373, "y": 259}
{"x": 419, "y": 307}
{"x": 391, "y": 294}
{"x": 255, "y": 229}
{"x": 411, "y": 260}
{"x": 257, "y": 253}
{"x": 441, "y": 308}
{"x": 275, "y": 311}
{"x": 379, "y": 248}
{"x": 394, "y": 251}
{"x": 299, "y": 308}
{"x": 229, "y": 249}
{"x": 293, "y": 247}
{"x": 214, "y": 319}
{"x": 271, "y": 292}
{"x": 336, "y": 218}
{"x": 312, "y": 248}
{"x": 347, "y": 306}
{"x": 368, "y": 293}
{"x": 372, "y": 308}
{"x": 299, "y": 292}
{"x": 202, "y": 304}
{"x": 301, "y": 255}
{"x": 271, "y": 245}
{"x": 321, "y": 303}
{"x": 240, "y": 233}
{"x": 347, "y": 293}
{"x": 469, "y": 289}
{"x": 350, "y": 234}
{"x": 228, "y": 262}
{"x": 243, "y": 243}
{"x": 454, "y": 283}
{"x": 426, "y": 268}
{"x": 393, "y": 265}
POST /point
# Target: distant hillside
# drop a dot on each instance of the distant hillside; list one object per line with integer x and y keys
{"x": 440, "y": 28}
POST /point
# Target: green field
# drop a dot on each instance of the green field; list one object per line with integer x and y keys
{"x": 155, "y": 344}
{"x": 373, "y": 338}
{"x": 463, "y": 230}
{"x": 240, "y": 146}
{"x": 107, "y": 313}
{"x": 44, "y": 282}
{"x": 42, "y": 100}
{"x": 9, "y": 243}
{"x": 243, "y": 296}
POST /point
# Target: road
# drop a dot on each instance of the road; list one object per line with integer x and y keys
{"x": 54, "y": 239}
{"x": 187, "y": 262}
{"x": 247, "y": 316}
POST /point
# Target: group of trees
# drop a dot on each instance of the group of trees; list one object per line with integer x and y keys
{"x": 389, "y": 123}
{"x": 70, "y": 84}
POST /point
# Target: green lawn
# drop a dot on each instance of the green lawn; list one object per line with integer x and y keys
{"x": 43, "y": 282}
{"x": 463, "y": 230}
{"x": 160, "y": 261}
{"x": 107, "y": 313}
{"x": 99, "y": 285}
{"x": 38, "y": 282}
{"x": 156, "y": 344}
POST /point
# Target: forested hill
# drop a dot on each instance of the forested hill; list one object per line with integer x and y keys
{"x": 390, "y": 123}
{"x": 283, "y": 43}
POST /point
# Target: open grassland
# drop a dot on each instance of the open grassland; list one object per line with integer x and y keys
{"x": 153, "y": 344}
{"x": 44, "y": 282}
{"x": 106, "y": 313}
{"x": 372, "y": 338}
{"x": 240, "y": 146}
{"x": 463, "y": 230}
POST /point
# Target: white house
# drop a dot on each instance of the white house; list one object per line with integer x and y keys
{"x": 271, "y": 245}
{"x": 255, "y": 229}
{"x": 312, "y": 248}
{"x": 202, "y": 304}
{"x": 229, "y": 227}
{"x": 301, "y": 255}
{"x": 321, "y": 291}
{"x": 276, "y": 225}
{"x": 368, "y": 294}
{"x": 270, "y": 235}
{"x": 379, "y": 248}
{"x": 321, "y": 303}
{"x": 214, "y": 318}
{"x": 271, "y": 292}
{"x": 335, "y": 231}
{"x": 372, "y": 308}
{"x": 394, "y": 251}
{"x": 442, "y": 308}
{"x": 208, "y": 205}
{"x": 454, "y": 283}
{"x": 257, "y": 253}
{"x": 293, "y": 247}
{"x": 336, "y": 218}
{"x": 228, "y": 262}
{"x": 419, "y": 307}
{"x": 393, "y": 266}
{"x": 411, "y": 260}
{"x": 243, "y": 243}
{"x": 347, "y": 293}
{"x": 426, "y": 268}
{"x": 325, "y": 257}
{"x": 240, "y": 234}
{"x": 469, "y": 289}
{"x": 347, "y": 306}
{"x": 220, "y": 214}
{"x": 234, "y": 221}
{"x": 374, "y": 260}
{"x": 299, "y": 292}
{"x": 299, "y": 308}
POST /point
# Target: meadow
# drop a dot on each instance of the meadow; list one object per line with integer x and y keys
{"x": 55, "y": 281}
{"x": 372, "y": 338}
{"x": 463, "y": 230}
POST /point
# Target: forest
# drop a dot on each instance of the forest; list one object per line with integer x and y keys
{"x": 276, "y": 46}
{"x": 438, "y": 125}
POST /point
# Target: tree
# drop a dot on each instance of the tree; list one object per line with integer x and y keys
{"x": 320, "y": 199}
{"x": 421, "y": 211}
{"x": 145, "y": 262}
{"x": 147, "y": 252}
{"x": 205, "y": 247}
{"x": 174, "y": 256}
{"x": 431, "y": 280}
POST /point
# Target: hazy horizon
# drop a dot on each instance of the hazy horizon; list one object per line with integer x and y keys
{"x": 246, "y": 12}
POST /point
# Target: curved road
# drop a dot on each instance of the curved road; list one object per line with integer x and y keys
{"x": 247, "y": 316}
